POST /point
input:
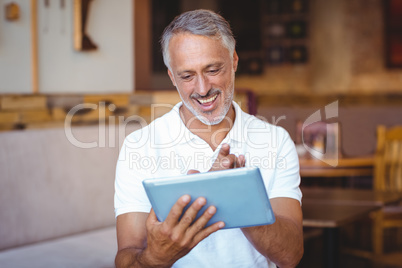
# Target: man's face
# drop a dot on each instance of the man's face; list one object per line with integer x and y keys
{"x": 203, "y": 72}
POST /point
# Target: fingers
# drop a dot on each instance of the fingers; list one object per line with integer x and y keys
{"x": 169, "y": 240}
{"x": 191, "y": 213}
{"x": 192, "y": 171}
{"x": 207, "y": 231}
{"x": 202, "y": 220}
{"x": 188, "y": 227}
{"x": 188, "y": 217}
{"x": 197, "y": 230}
{"x": 177, "y": 209}
{"x": 224, "y": 151}
{"x": 225, "y": 160}
{"x": 241, "y": 161}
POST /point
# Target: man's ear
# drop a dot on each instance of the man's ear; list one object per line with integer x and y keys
{"x": 171, "y": 78}
{"x": 235, "y": 60}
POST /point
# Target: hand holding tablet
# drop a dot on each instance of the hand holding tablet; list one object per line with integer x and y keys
{"x": 239, "y": 196}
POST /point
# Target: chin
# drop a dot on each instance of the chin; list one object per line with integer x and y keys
{"x": 210, "y": 122}
{"x": 213, "y": 117}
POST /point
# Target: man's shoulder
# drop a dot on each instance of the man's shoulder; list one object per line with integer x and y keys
{"x": 160, "y": 126}
{"x": 251, "y": 122}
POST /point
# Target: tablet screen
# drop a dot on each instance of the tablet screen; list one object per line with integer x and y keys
{"x": 239, "y": 195}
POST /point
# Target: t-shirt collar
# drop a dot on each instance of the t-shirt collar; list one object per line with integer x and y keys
{"x": 236, "y": 132}
{"x": 179, "y": 128}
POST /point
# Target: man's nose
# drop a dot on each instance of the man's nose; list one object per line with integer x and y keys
{"x": 203, "y": 85}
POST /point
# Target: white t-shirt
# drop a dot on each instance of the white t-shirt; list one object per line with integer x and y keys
{"x": 167, "y": 148}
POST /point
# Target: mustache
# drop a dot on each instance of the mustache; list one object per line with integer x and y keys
{"x": 211, "y": 92}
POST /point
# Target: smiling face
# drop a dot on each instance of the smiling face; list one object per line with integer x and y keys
{"x": 203, "y": 72}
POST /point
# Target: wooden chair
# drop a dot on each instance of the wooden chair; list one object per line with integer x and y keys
{"x": 387, "y": 177}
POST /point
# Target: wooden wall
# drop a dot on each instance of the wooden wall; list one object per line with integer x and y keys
{"x": 346, "y": 55}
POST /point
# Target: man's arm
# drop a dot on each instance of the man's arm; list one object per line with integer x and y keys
{"x": 282, "y": 241}
{"x": 131, "y": 238}
{"x": 143, "y": 241}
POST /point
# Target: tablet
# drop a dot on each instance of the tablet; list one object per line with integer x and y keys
{"x": 238, "y": 194}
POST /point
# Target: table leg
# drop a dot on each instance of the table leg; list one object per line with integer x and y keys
{"x": 331, "y": 247}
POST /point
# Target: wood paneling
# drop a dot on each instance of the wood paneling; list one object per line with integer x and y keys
{"x": 142, "y": 44}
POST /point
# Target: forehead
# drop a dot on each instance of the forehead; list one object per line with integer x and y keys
{"x": 187, "y": 48}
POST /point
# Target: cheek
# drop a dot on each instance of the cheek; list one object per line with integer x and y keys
{"x": 225, "y": 81}
{"x": 184, "y": 90}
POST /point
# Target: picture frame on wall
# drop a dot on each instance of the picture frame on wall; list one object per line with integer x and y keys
{"x": 393, "y": 33}
{"x": 82, "y": 40}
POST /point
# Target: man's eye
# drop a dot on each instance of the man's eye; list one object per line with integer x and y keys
{"x": 213, "y": 71}
{"x": 186, "y": 77}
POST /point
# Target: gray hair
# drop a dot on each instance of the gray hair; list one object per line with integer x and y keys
{"x": 199, "y": 22}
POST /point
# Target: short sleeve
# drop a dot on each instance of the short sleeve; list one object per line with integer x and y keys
{"x": 287, "y": 171}
{"x": 130, "y": 195}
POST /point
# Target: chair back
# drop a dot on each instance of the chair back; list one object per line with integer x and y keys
{"x": 388, "y": 159}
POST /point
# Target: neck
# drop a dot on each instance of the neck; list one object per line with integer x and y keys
{"x": 211, "y": 134}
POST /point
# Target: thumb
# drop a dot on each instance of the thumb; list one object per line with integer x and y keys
{"x": 152, "y": 217}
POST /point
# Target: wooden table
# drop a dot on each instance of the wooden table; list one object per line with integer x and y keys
{"x": 345, "y": 167}
{"x": 349, "y": 196}
{"x": 331, "y": 208}
{"x": 330, "y": 217}
{"x": 353, "y": 197}
{"x": 333, "y": 215}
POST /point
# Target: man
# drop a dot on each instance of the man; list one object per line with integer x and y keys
{"x": 206, "y": 132}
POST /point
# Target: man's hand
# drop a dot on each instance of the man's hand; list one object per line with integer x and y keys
{"x": 225, "y": 160}
{"x": 161, "y": 244}
{"x": 170, "y": 240}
